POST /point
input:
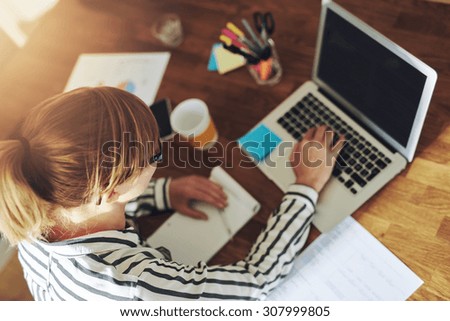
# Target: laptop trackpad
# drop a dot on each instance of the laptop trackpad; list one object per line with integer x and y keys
{"x": 278, "y": 168}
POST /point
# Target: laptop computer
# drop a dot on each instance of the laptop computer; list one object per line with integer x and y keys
{"x": 366, "y": 88}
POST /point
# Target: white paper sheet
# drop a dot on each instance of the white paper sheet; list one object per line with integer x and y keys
{"x": 138, "y": 73}
{"x": 347, "y": 263}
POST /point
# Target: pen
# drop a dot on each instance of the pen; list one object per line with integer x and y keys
{"x": 228, "y": 41}
{"x": 235, "y": 39}
{"x": 238, "y": 32}
{"x": 235, "y": 31}
{"x": 230, "y": 35}
{"x": 252, "y": 33}
{"x": 250, "y": 59}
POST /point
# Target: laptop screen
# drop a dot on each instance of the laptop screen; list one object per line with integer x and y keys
{"x": 380, "y": 85}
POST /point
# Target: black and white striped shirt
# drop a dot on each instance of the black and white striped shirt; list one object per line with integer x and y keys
{"x": 117, "y": 265}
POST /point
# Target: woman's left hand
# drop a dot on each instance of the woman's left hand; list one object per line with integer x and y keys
{"x": 184, "y": 190}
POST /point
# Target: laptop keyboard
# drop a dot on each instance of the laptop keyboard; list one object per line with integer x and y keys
{"x": 359, "y": 161}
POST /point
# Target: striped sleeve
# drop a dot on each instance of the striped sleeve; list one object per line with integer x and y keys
{"x": 154, "y": 200}
{"x": 270, "y": 259}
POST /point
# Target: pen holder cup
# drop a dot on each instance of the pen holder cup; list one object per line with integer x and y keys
{"x": 267, "y": 71}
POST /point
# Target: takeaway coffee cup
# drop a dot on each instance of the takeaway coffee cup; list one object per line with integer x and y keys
{"x": 191, "y": 119}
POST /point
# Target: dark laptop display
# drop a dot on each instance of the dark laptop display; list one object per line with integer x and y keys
{"x": 383, "y": 87}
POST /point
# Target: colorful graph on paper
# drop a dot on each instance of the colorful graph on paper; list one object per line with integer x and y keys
{"x": 137, "y": 73}
{"x": 127, "y": 85}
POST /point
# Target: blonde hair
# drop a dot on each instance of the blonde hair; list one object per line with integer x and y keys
{"x": 57, "y": 156}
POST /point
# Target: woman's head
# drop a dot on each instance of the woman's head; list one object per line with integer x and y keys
{"x": 76, "y": 147}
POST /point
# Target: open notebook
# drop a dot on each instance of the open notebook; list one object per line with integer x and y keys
{"x": 190, "y": 240}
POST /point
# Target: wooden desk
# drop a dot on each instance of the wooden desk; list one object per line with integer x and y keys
{"x": 411, "y": 216}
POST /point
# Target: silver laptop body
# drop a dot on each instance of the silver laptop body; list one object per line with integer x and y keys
{"x": 391, "y": 133}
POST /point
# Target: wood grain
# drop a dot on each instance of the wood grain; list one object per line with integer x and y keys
{"x": 411, "y": 215}
{"x": 12, "y": 284}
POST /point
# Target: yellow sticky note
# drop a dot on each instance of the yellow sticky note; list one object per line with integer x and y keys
{"x": 228, "y": 61}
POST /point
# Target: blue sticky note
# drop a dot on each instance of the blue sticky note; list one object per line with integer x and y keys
{"x": 259, "y": 142}
{"x": 212, "y": 63}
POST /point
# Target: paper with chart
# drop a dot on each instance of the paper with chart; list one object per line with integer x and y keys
{"x": 137, "y": 73}
{"x": 190, "y": 240}
{"x": 347, "y": 263}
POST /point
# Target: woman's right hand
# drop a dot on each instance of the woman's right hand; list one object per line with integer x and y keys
{"x": 313, "y": 157}
{"x": 184, "y": 190}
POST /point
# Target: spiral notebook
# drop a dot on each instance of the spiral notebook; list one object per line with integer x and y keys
{"x": 190, "y": 240}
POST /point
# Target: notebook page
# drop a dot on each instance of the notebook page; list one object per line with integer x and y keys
{"x": 191, "y": 240}
{"x": 241, "y": 205}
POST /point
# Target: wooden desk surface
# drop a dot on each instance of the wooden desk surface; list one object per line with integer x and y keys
{"x": 411, "y": 215}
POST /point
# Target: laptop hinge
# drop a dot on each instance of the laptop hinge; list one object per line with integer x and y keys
{"x": 349, "y": 114}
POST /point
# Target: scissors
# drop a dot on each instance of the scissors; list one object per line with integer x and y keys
{"x": 264, "y": 23}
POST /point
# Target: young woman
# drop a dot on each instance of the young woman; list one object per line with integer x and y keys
{"x": 69, "y": 178}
